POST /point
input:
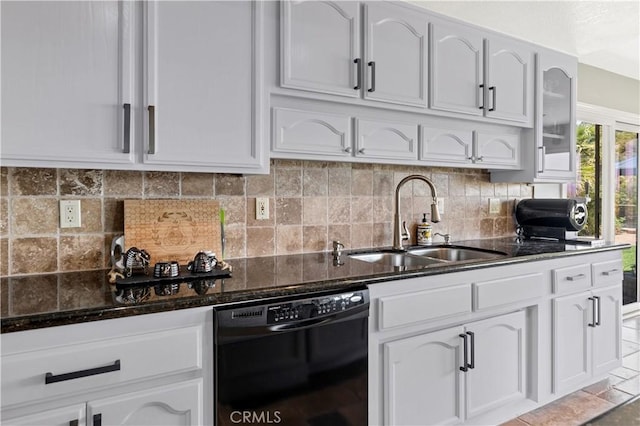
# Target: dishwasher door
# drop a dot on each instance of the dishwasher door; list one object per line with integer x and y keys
{"x": 293, "y": 362}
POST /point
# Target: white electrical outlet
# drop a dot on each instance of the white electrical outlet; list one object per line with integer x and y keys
{"x": 70, "y": 216}
{"x": 262, "y": 208}
{"x": 441, "y": 205}
{"x": 494, "y": 205}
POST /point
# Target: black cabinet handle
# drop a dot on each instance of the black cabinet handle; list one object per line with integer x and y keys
{"x": 473, "y": 349}
{"x": 465, "y": 348}
{"x": 372, "y": 65}
{"x": 358, "y": 63}
{"x": 97, "y": 419}
{"x": 481, "y": 97}
{"x": 492, "y": 89}
{"x": 152, "y": 129}
{"x": 127, "y": 129}
{"x": 593, "y": 313}
{"x": 73, "y": 422}
{"x": 51, "y": 378}
{"x": 597, "y": 300}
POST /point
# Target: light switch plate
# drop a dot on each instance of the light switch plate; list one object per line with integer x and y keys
{"x": 494, "y": 205}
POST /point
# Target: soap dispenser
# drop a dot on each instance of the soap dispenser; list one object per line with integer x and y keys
{"x": 423, "y": 235}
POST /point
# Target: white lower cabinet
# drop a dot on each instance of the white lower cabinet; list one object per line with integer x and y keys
{"x": 586, "y": 336}
{"x": 100, "y": 373}
{"x": 176, "y": 404}
{"x": 74, "y": 415}
{"x": 449, "y": 375}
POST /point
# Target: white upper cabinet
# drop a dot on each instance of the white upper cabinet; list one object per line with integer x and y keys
{"x": 396, "y": 54}
{"x": 202, "y": 85}
{"x": 509, "y": 80}
{"x": 67, "y": 75}
{"x": 321, "y": 50}
{"x": 477, "y": 74}
{"x": 457, "y": 74}
{"x": 320, "y": 42}
{"x": 550, "y": 147}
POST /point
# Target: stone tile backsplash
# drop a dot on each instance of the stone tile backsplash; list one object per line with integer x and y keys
{"x": 310, "y": 205}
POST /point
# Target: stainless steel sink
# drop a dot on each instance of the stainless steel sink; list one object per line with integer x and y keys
{"x": 426, "y": 256}
{"x": 395, "y": 259}
{"x": 456, "y": 254}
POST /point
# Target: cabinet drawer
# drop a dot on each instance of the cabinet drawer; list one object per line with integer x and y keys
{"x": 573, "y": 278}
{"x": 410, "y": 308}
{"x": 98, "y": 363}
{"x": 605, "y": 273}
{"x": 488, "y": 294}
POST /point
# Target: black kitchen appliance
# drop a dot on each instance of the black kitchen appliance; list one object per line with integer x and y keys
{"x": 293, "y": 361}
{"x": 551, "y": 218}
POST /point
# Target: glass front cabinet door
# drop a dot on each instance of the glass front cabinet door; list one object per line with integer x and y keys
{"x": 555, "y": 129}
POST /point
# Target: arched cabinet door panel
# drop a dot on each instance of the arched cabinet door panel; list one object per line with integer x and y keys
{"x": 446, "y": 146}
{"x": 320, "y": 41}
{"x": 395, "y": 55}
{"x": 501, "y": 150}
{"x": 390, "y": 140}
{"x": 311, "y": 133}
{"x": 456, "y": 68}
{"x": 170, "y": 405}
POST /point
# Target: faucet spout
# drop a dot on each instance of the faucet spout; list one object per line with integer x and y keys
{"x": 398, "y": 234}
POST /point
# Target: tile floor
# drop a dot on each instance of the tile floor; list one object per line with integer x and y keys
{"x": 579, "y": 407}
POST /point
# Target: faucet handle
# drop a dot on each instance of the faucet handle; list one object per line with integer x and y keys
{"x": 405, "y": 231}
{"x": 447, "y": 237}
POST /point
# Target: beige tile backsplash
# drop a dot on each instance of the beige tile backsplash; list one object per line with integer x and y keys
{"x": 311, "y": 204}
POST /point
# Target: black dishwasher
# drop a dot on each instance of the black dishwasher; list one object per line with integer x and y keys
{"x": 293, "y": 361}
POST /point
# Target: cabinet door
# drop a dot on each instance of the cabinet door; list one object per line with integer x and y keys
{"x": 320, "y": 41}
{"x": 396, "y": 54}
{"x": 311, "y": 133}
{"x": 509, "y": 80}
{"x": 423, "y": 379}
{"x": 67, "y": 416}
{"x": 446, "y": 146}
{"x": 203, "y": 86}
{"x": 499, "y": 150}
{"x": 456, "y": 68}
{"x": 388, "y": 140}
{"x": 171, "y": 405}
{"x": 498, "y": 373}
{"x": 555, "y": 129}
{"x": 65, "y": 83}
{"x": 607, "y": 337}
{"x": 571, "y": 341}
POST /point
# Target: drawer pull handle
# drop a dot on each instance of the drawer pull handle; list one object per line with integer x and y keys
{"x": 472, "y": 364}
{"x": 358, "y": 63}
{"x": 97, "y": 419}
{"x": 465, "y": 349}
{"x": 127, "y": 129}
{"x": 611, "y": 272}
{"x": 51, "y": 378}
{"x": 594, "y": 314}
{"x": 575, "y": 277}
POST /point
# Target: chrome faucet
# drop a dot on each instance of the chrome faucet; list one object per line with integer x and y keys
{"x": 400, "y": 232}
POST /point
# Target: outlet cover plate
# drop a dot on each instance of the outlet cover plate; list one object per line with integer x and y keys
{"x": 262, "y": 208}
{"x": 494, "y": 205}
{"x": 70, "y": 216}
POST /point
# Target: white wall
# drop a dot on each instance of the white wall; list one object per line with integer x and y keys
{"x": 603, "y": 88}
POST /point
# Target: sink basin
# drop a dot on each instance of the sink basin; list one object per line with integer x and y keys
{"x": 395, "y": 259}
{"x": 416, "y": 258}
{"x": 455, "y": 254}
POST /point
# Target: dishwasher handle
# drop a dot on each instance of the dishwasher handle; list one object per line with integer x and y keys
{"x": 228, "y": 334}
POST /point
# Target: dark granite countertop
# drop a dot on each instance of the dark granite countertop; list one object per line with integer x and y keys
{"x": 37, "y": 301}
